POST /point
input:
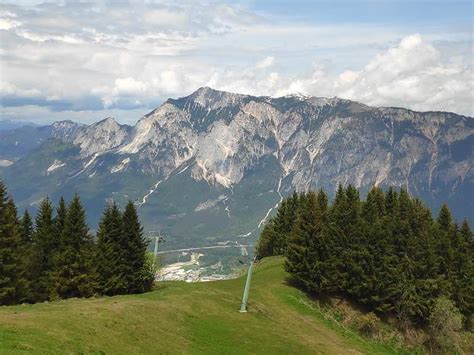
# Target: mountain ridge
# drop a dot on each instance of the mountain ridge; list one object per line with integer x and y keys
{"x": 239, "y": 154}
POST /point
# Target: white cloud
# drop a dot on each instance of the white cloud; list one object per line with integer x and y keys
{"x": 132, "y": 57}
{"x": 8, "y": 24}
{"x": 265, "y": 63}
{"x": 165, "y": 18}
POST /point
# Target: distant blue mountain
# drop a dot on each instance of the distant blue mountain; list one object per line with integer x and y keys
{"x": 6, "y": 125}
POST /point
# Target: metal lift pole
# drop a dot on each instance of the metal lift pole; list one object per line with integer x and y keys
{"x": 243, "y": 306}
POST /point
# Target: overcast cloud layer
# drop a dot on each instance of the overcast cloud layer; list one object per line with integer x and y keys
{"x": 88, "y": 60}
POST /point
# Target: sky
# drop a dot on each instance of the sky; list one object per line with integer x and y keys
{"x": 87, "y": 60}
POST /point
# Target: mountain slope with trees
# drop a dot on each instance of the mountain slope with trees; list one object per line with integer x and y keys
{"x": 209, "y": 166}
{"x": 386, "y": 253}
{"x": 57, "y": 257}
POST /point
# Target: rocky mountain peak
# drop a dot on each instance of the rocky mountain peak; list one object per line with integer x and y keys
{"x": 108, "y": 122}
{"x": 213, "y": 99}
{"x": 211, "y": 147}
{"x": 101, "y": 136}
{"x": 65, "y": 130}
{"x": 65, "y": 124}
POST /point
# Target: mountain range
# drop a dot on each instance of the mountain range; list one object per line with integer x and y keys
{"x": 212, "y": 166}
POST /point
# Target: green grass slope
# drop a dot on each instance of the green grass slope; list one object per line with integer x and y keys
{"x": 183, "y": 318}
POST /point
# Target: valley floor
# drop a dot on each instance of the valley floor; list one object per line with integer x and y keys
{"x": 183, "y": 317}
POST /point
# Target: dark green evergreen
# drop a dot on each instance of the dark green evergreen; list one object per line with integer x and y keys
{"x": 45, "y": 248}
{"x": 27, "y": 228}
{"x": 59, "y": 258}
{"x": 60, "y": 219}
{"x": 110, "y": 258}
{"x": 75, "y": 258}
{"x": 386, "y": 252}
{"x": 12, "y": 285}
{"x": 135, "y": 247}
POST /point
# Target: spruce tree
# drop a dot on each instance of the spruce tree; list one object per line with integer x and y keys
{"x": 387, "y": 252}
{"x": 60, "y": 219}
{"x": 444, "y": 218}
{"x": 358, "y": 262}
{"x": 11, "y": 258}
{"x": 26, "y": 228}
{"x": 45, "y": 247}
{"x": 135, "y": 248}
{"x": 463, "y": 271}
{"x": 301, "y": 256}
{"x": 74, "y": 267}
{"x": 110, "y": 257}
{"x": 266, "y": 242}
{"x": 445, "y": 236}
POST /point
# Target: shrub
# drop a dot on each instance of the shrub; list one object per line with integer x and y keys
{"x": 445, "y": 322}
{"x": 368, "y": 324}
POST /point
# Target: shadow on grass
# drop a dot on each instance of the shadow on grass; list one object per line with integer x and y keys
{"x": 327, "y": 299}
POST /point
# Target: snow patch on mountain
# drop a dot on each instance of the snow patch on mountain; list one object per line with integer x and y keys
{"x": 123, "y": 164}
{"x": 5, "y": 162}
{"x": 209, "y": 203}
{"x": 54, "y": 166}
{"x": 145, "y": 198}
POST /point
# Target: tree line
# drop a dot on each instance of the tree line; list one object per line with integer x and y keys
{"x": 55, "y": 255}
{"x": 386, "y": 252}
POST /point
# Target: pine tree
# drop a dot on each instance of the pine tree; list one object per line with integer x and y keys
{"x": 463, "y": 270}
{"x": 266, "y": 242}
{"x": 74, "y": 265}
{"x": 444, "y": 233}
{"x": 445, "y": 220}
{"x": 110, "y": 256}
{"x": 60, "y": 219}
{"x": 11, "y": 258}
{"x": 387, "y": 252}
{"x": 135, "y": 247}
{"x": 301, "y": 256}
{"x": 26, "y": 228}
{"x": 374, "y": 207}
{"x": 358, "y": 262}
{"x": 45, "y": 246}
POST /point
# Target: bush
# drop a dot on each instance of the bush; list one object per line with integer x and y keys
{"x": 368, "y": 324}
{"x": 149, "y": 271}
{"x": 445, "y": 323}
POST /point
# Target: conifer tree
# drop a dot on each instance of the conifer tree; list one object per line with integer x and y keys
{"x": 60, "y": 219}
{"x": 110, "y": 256}
{"x": 75, "y": 251}
{"x": 444, "y": 218}
{"x": 300, "y": 251}
{"x": 266, "y": 242}
{"x": 135, "y": 248}
{"x": 26, "y": 228}
{"x": 374, "y": 207}
{"x": 445, "y": 235}
{"x": 463, "y": 270}
{"x": 45, "y": 247}
{"x": 387, "y": 252}
{"x": 358, "y": 263}
{"x": 11, "y": 258}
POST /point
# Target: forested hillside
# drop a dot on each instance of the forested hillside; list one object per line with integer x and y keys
{"x": 387, "y": 253}
{"x": 55, "y": 256}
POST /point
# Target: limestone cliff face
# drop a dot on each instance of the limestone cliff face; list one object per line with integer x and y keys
{"x": 237, "y": 153}
{"x": 316, "y": 141}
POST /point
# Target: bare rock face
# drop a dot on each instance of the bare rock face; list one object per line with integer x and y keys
{"x": 100, "y": 137}
{"x": 317, "y": 141}
{"x": 245, "y": 153}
